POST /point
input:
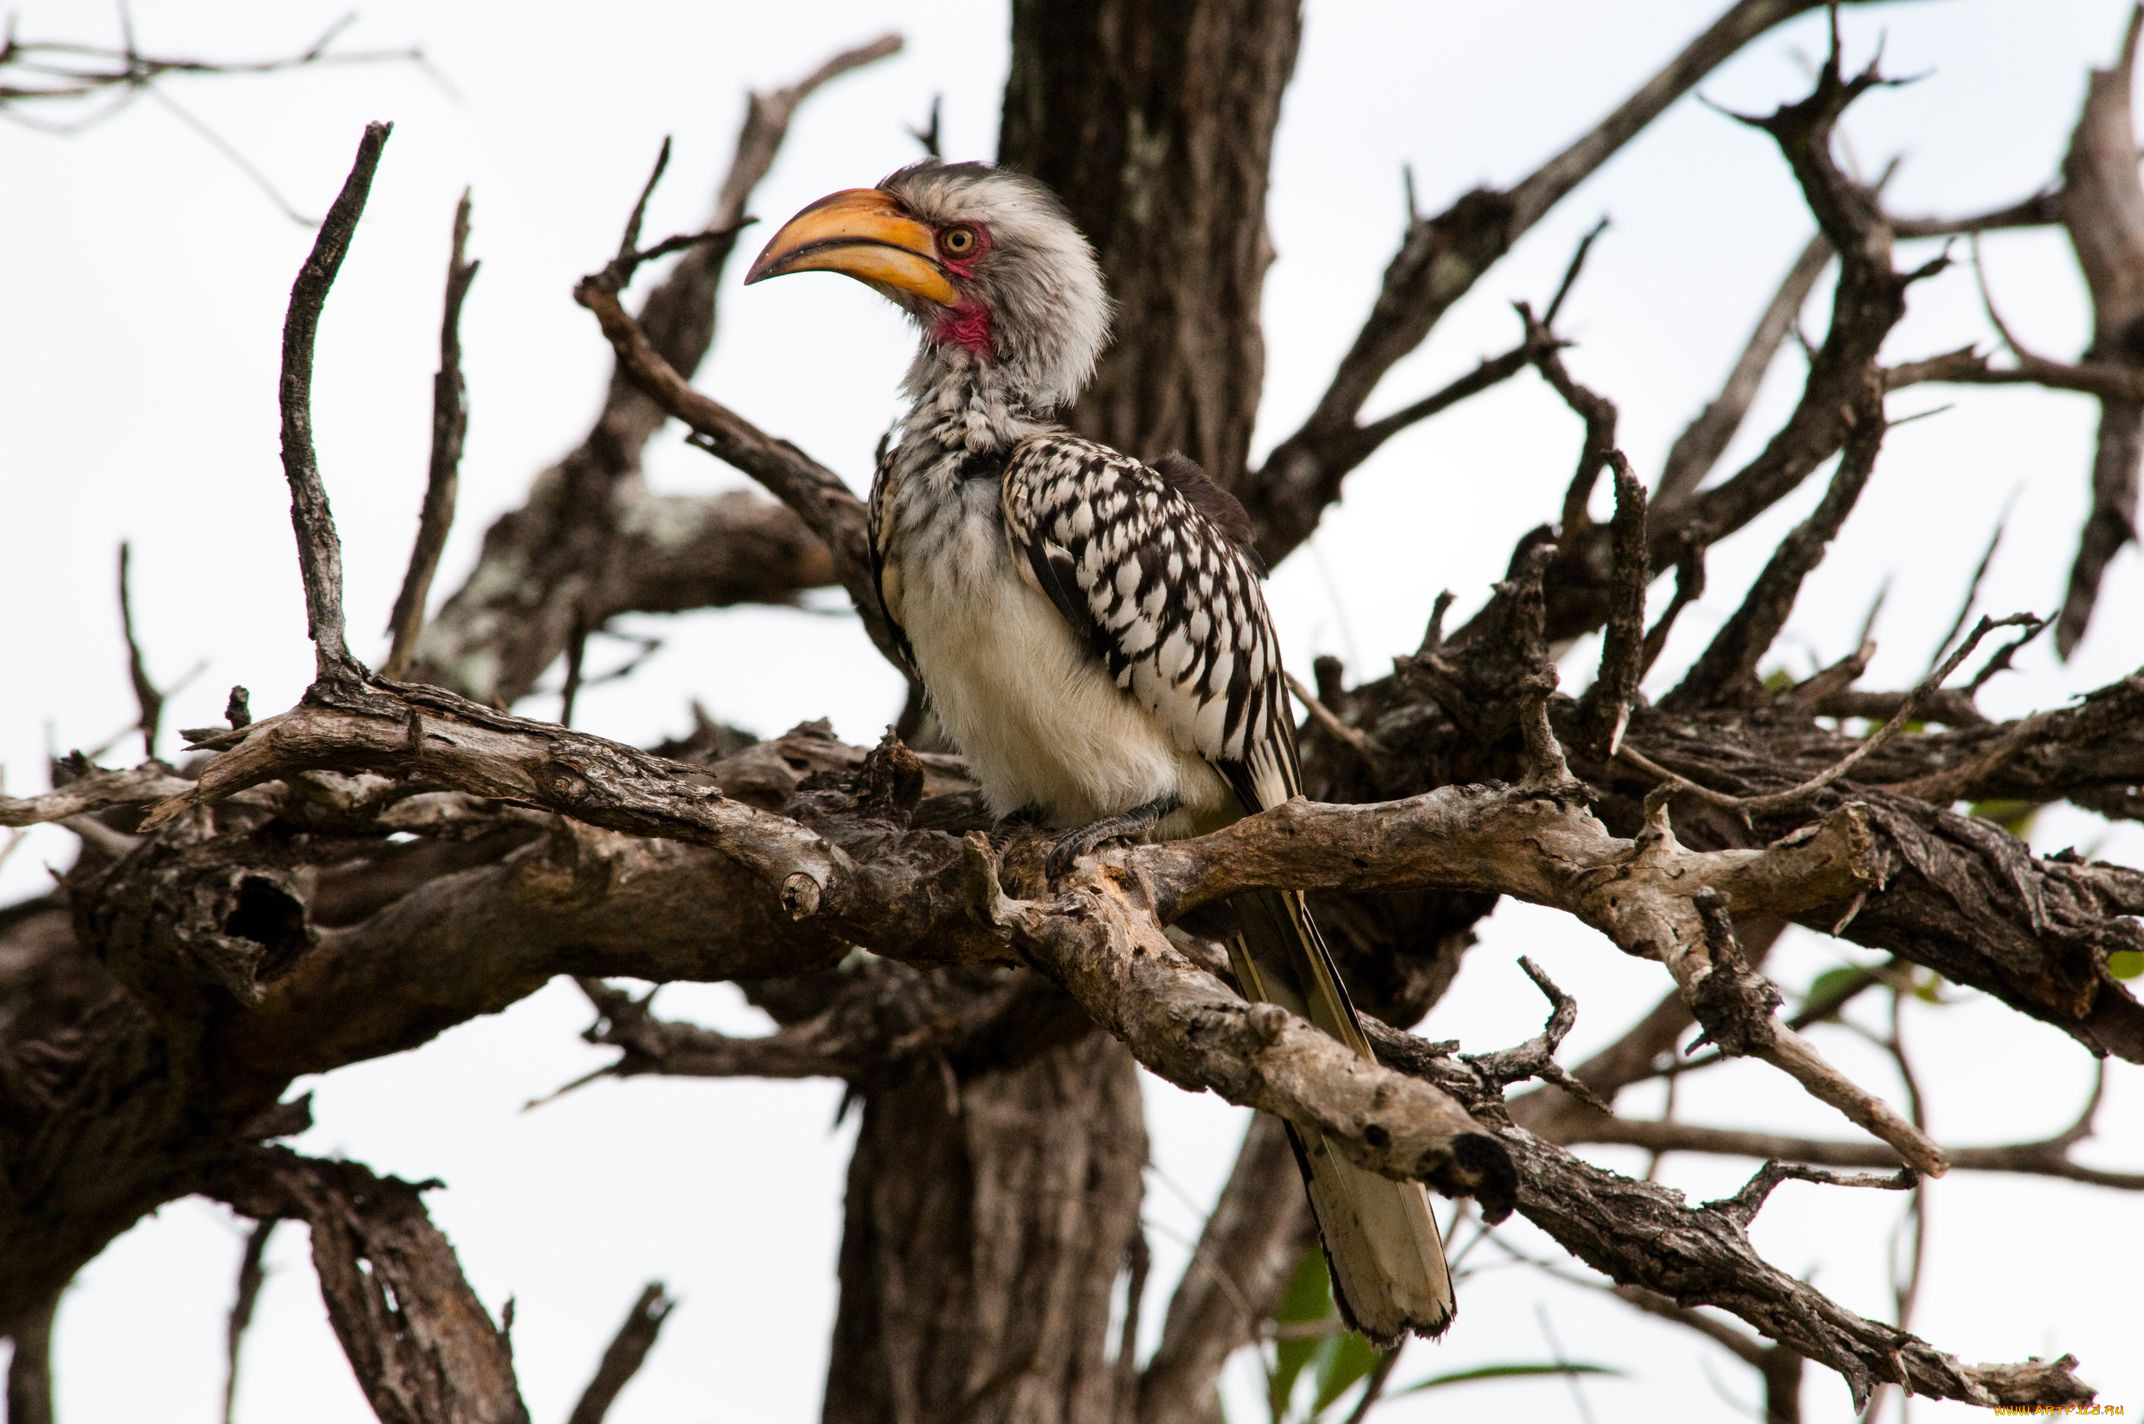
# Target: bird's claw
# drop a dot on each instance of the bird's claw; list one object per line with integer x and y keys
{"x": 1128, "y": 827}
{"x": 1070, "y": 847}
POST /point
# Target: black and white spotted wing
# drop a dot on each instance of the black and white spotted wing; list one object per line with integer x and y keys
{"x": 1152, "y": 564}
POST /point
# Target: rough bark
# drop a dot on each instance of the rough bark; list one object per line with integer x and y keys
{"x": 352, "y": 876}
{"x": 2103, "y": 212}
{"x": 1155, "y": 124}
{"x": 982, "y": 1241}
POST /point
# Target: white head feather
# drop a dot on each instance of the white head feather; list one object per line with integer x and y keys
{"x": 1036, "y": 277}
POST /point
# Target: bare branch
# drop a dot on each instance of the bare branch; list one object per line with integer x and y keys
{"x": 146, "y": 695}
{"x": 1257, "y": 1231}
{"x": 815, "y": 493}
{"x": 1594, "y": 409}
{"x": 622, "y": 1360}
{"x": 881, "y": 1016}
{"x": 1744, "y": 1205}
{"x": 1868, "y": 746}
{"x": 2103, "y": 210}
{"x": 571, "y": 557}
{"x": 1705, "y": 439}
{"x": 29, "y": 1367}
{"x": 1536, "y": 1058}
{"x": 250, "y": 1279}
{"x": 1443, "y": 256}
{"x": 2043, "y": 209}
{"x": 450, "y": 422}
{"x": 1605, "y": 708}
{"x": 76, "y": 71}
{"x": 1689, "y": 587}
{"x": 927, "y": 136}
{"x": 420, "y": 1342}
{"x": 2046, "y": 1158}
{"x": 1647, "y": 1236}
{"x": 95, "y": 790}
{"x": 319, "y": 550}
{"x": 1972, "y": 585}
{"x": 1726, "y": 672}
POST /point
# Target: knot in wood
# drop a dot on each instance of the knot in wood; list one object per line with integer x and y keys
{"x": 801, "y": 895}
{"x": 1267, "y": 1022}
{"x": 564, "y": 779}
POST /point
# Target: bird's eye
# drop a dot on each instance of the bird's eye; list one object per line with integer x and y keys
{"x": 957, "y": 241}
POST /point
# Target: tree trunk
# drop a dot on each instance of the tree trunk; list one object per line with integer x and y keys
{"x": 989, "y": 1216}
{"x": 1155, "y": 124}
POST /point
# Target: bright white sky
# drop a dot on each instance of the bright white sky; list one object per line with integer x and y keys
{"x": 144, "y": 291}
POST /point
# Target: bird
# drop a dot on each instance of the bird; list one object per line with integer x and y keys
{"x": 1090, "y": 628}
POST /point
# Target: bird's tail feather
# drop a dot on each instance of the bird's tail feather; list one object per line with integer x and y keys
{"x": 1381, "y": 1243}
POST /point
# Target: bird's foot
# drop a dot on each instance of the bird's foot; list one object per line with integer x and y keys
{"x": 1124, "y": 827}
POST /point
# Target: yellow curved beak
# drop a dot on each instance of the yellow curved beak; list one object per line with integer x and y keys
{"x": 861, "y": 232}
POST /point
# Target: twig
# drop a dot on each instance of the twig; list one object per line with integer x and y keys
{"x": 1605, "y": 707}
{"x": 2103, "y": 210}
{"x": 128, "y": 73}
{"x": 1571, "y": 1380}
{"x": 559, "y": 555}
{"x": 29, "y": 1370}
{"x": 1138, "y": 1262}
{"x": 1374, "y": 1388}
{"x": 1256, "y": 1231}
{"x": 319, "y": 550}
{"x": 1735, "y": 1005}
{"x": 250, "y": 1278}
{"x": 1306, "y": 470}
{"x": 146, "y": 696}
{"x": 1444, "y": 255}
{"x": 1705, "y": 439}
{"x": 817, "y": 494}
{"x": 576, "y": 656}
{"x": 450, "y": 423}
{"x": 1743, "y": 1206}
{"x": 1363, "y": 744}
{"x": 1726, "y": 670}
{"x": 232, "y": 154}
{"x": 1980, "y": 573}
{"x": 2042, "y": 209}
{"x": 928, "y": 134}
{"x": 2047, "y": 1157}
{"x": 1535, "y": 1058}
{"x": 1596, "y": 410}
{"x": 766, "y": 124}
{"x": 1570, "y": 273}
{"x": 1778, "y": 800}
{"x": 622, "y": 1360}
{"x": 1689, "y": 587}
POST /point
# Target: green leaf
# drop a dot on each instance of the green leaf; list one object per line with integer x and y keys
{"x": 1516, "y": 1371}
{"x": 1779, "y": 680}
{"x": 1343, "y": 1362}
{"x": 1308, "y": 1302}
{"x": 1834, "y": 982}
{"x": 2012, "y": 815}
{"x": 2126, "y": 963}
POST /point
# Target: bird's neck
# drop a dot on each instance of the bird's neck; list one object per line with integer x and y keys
{"x": 971, "y": 401}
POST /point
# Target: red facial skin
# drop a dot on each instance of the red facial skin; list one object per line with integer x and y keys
{"x": 967, "y": 324}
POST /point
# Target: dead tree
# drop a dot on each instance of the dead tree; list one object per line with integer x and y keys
{"x": 235, "y": 924}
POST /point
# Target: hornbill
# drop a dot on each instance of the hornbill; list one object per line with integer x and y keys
{"x": 1089, "y": 627}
